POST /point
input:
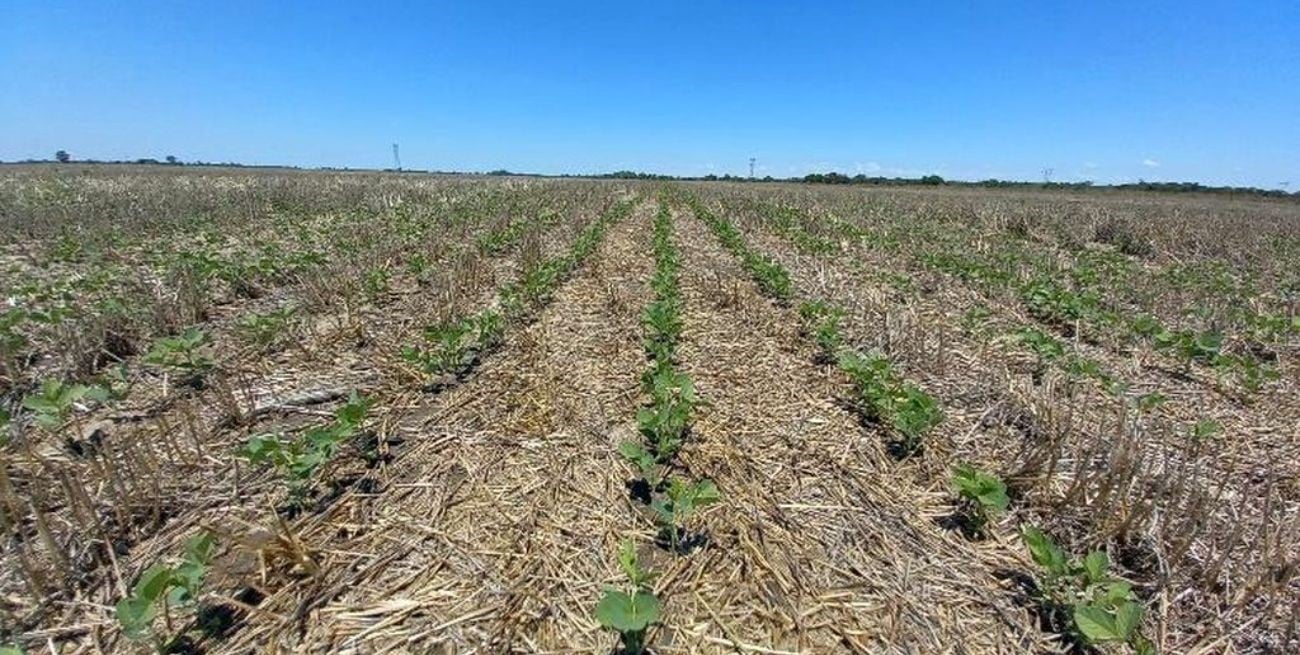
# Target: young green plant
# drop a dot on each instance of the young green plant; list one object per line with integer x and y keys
{"x": 984, "y": 495}
{"x": 630, "y": 612}
{"x": 298, "y": 460}
{"x": 682, "y": 499}
{"x": 162, "y": 588}
{"x": 1101, "y": 608}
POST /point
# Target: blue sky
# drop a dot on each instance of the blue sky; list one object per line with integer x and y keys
{"x": 1206, "y": 91}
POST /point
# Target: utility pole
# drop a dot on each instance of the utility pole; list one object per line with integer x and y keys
{"x": 751, "y": 168}
{"x": 397, "y": 161}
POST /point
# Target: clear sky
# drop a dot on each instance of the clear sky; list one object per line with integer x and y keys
{"x": 1107, "y": 91}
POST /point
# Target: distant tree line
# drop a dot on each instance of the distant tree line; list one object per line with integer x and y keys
{"x": 1140, "y": 185}
{"x": 833, "y": 177}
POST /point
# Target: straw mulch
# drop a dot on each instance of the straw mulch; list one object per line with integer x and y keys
{"x": 1233, "y": 498}
{"x": 819, "y": 546}
{"x": 499, "y": 521}
{"x": 496, "y": 528}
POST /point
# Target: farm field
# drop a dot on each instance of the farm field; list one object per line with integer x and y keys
{"x": 282, "y": 411}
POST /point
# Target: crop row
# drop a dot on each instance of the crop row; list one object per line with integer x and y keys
{"x": 1075, "y": 300}
{"x": 123, "y": 493}
{"x": 453, "y": 347}
{"x": 664, "y": 424}
{"x": 1080, "y": 598}
{"x": 1048, "y": 349}
{"x": 1069, "y": 308}
{"x": 772, "y": 278}
{"x": 73, "y": 310}
{"x": 882, "y": 394}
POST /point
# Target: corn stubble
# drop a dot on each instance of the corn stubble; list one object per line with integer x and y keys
{"x": 193, "y": 360}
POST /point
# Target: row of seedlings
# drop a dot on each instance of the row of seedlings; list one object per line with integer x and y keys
{"x": 883, "y": 395}
{"x": 452, "y": 348}
{"x": 1049, "y": 352}
{"x": 664, "y": 424}
{"x": 1078, "y": 596}
{"x": 303, "y": 460}
{"x": 122, "y": 499}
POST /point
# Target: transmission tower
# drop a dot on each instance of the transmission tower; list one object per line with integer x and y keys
{"x": 397, "y": 160}
{"x": 1047, "y": 175}
{"x": 751, "y": 168}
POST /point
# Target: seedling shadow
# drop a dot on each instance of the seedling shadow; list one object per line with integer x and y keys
{"x": 362, "y": 482}
{"x": 962, "y": 522}
{"x": 687, "y": 543}
{"x": 639, "y": 490}
{"x": 900, "y": 449}
{"x": 1052, "y": 617}
{"x": 183, "y": 645}
{"x": 620, "y": 649}
{"x": 367, "y": 443}
{"x": 85, "y": 448}
{"x": 222, "y": 621}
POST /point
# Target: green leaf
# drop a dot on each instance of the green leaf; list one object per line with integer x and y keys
{"x": 1095, "y": 565}
{"x": 634, "y": 451}
{"x": 1096, "y": 624}
{"x": 49, "y": 421}
{"x": 1205, "y": 429}
{"x": 663, "y": 509}
{"x": 354, "y": 411}
{"x": 98, "y": 394}
{"x": 181, "y": 595}
{"x": 153, "y": 582}
{"x": 1044, "y": 551}
{"x": 986, "y": 489}
{"x": 995, "y": 497}
{"x": 627, "y": 560}
{"x": 11, "y": 650}
{"x": 625, "y": 612}
{"x": 262, "y": 448}
{"x": 135, "y": 614}
{"x": 1128, "y": 617}
{"x": 200, "y": 547}
{"x": 705, "y": 493}
{"x": 1118, "y": 591}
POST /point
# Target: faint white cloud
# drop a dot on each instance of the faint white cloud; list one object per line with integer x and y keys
{"x": 1088, "y": 165}
{"x": 1150, "y": 163}
{"x": 867, "y": 167}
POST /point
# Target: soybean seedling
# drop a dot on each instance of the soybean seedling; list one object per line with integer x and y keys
{"x": 629, "y": 613}
{"x": 454, "y": 344}
{"x": 680, "y": 502}
{"x": 984, "y": 495}
{"x": 913, "y": 414}
{"x": 664, "y": 423}
{"x": 183, "y": 354}
{"x": 1205, "y": 429}
{"x": 376, "y": 283}
{"x": 162, "y": 588}
{"x": 644, "y": 460}
{"x": 299, "y": 459}
{"x": 264, "y": 331}
{"x": 1101, "y": 607}
{"x": 664, "y": 324}
{"x": 822, "y": 322}
{"x": 56, "y": 400}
